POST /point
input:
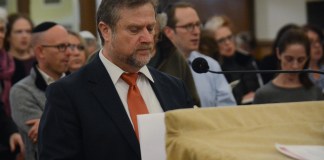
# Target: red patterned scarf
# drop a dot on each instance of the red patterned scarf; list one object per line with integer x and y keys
{"x": 7, "y": 67}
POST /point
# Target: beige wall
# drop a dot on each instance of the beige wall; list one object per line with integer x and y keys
{"x": 12, "y": 6}
{"x": 66, "y": 13}
{"x": 271, "y": 15}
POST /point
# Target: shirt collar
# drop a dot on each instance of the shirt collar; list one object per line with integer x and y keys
{"x": 48, "y": 79}
{"x": 192, "y": 56}
{"x": 115, "y": 72}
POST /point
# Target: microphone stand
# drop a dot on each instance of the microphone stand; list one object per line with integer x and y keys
{"x": 268, "y": 71}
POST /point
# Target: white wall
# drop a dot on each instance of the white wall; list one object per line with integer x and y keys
{"x": 271, "y": 15}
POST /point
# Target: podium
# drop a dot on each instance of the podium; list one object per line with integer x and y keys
{"x": 241, "y": 132}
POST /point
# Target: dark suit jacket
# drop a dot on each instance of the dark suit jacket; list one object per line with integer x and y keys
{"x": 7, "y": 127}
{"x": 84, "y": 117}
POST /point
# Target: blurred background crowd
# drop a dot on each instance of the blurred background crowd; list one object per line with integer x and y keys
{"x": 235, "y": 35}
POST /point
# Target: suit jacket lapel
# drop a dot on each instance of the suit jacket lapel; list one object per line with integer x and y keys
{"x": 106, "y": 93}
{"x": 158, "y": 90}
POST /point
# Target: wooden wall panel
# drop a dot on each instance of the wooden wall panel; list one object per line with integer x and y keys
{"x": 239, "y": 11}
{"x": 23, "y": 7}
{"x": 88, "y": 16}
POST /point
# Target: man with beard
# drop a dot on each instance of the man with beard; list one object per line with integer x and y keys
{"x": 91, "y": 114}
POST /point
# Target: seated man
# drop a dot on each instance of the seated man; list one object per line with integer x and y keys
{"x": 183, "y": 29}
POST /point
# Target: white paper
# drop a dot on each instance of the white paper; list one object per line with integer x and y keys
{"x": 151, "y": 129}
{"x": 302, "y": 152}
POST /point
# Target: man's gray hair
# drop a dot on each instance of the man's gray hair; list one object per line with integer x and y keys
{"x": 108, "y": 11}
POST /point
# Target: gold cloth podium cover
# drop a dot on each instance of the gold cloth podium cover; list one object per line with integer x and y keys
{"x": 244, "y": 132}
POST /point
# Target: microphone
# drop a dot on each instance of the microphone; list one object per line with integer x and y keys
{"x": 200, "y": 65}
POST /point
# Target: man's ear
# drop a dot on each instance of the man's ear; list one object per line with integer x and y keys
{"x": 169, "y": 32}
{"x": 39, "y": 52}
{"x": 105, "y": 30}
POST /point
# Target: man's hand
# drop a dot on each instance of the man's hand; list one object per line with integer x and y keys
{"x": 16, "y": 140}
{"x": 33, "y": 132}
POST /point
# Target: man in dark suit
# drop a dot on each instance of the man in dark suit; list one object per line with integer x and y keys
{"x": 88, "y": 114}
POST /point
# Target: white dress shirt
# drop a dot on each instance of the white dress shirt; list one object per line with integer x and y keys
{"x": 213, "y": 89}
{"x": 146, "y": 90}
{"x": 48, "y": 79}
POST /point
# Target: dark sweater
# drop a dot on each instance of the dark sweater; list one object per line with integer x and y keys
{"x": 7, "y": 127}
{"x": 248, "y": 81}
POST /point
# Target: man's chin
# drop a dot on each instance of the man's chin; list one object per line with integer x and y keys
{"x": 140, "y": 62}
{"x": 193, "y": 48}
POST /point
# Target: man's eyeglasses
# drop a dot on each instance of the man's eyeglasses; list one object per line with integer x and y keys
{"x": 190, "y": 27}
{"x": 223, "y": 40}
{"x": 62, "y": 47}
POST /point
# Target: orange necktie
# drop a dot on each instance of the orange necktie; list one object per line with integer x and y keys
{"x": 135, "y": 101}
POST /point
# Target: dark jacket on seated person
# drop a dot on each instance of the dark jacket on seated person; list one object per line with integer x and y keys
{"x": 247, "y": 81}
{"x": 7, "y": 127}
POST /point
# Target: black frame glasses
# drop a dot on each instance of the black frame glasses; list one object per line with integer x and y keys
{"x": 63, "y": 46}
{"x": 191, "y": 26}
{"x": 227, "y": 38}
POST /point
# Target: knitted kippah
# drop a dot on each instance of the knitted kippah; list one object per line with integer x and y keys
{"x": 43, "y": 27}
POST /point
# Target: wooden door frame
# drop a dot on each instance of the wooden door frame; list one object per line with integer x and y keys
{"x": 88, "y": 16}
{"x": 23, "y": 7}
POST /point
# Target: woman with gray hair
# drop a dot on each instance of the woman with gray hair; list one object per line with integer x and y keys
{"x": 233, "y": 60}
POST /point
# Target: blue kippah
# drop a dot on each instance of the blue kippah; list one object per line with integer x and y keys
{"x": 43, "y": 27}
